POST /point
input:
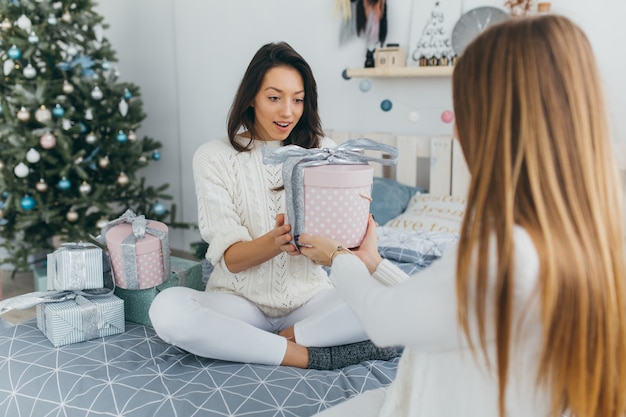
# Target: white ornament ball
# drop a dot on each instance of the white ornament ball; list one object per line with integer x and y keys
{"x": 71, "y": 216}
{"x": 1, "y": 165}
{"x": 29, "y": 71}
{"x": 43, "y": 115}
{"x": 104, "y": 162}
{"x": 91, "y": 138}
{"x": 6, "y": 24}
{"x": 47, "y": 140}
{"x": 89, "y": 114}
{"x": 41, "y": 186}
{"x": 101, "y": 223}
{"x": 96, "y": 93}
{"x": 23, "y": 115}
{"x": 66, "y": 17}
{"x": 132, "y": 135}
{"x": 68, "y": 88}
{"x": 122, "y": 179}
{"x": 33, "y": 156}
{"x": 21, "y": 170}
{"x": 84, "y": 188}
{"x": 71, "y": 50}
{"x": 143, "y": 159}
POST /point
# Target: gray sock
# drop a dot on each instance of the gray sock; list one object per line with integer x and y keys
{"x": 336, "y": 357}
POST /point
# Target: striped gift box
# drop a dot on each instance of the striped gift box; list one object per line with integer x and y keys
{"x": 75, "y": 266}
{"x": 81, "y": 319}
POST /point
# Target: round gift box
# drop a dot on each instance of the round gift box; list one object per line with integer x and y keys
{"x": 148, "y": 256}
{"x": 337, "y": 201}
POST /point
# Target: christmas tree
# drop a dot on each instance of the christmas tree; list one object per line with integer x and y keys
{"x": 69, "y": 148}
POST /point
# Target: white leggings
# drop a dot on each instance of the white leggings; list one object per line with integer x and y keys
{"x": 229, "y": 327}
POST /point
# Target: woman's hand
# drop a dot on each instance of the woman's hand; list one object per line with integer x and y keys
{"x": 318, "y": 248}
{"x": 282, "y": 237}
{"x": 368, "y": 251}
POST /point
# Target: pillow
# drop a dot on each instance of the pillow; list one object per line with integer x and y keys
{"x": 431, "y": 213}
{"x": 390, "y": 198}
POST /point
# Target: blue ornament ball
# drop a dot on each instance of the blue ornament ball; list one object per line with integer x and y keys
{"x": 0, "y": 109}
{"x": 365, "y": 86}
{"x": 5, "y": 194}
{"x": 3, "y": 222}
{"x": 2, "y": 205}
{"x": 14, "y": 52}
{"x": 156, "y": 155}
{"x": 121, "y": 137}
{"x": 159, "y": 209}
{"x": 28, "y": 203}
{"x": 58, "y": 111}
{"x": 127, "y": 94}
{"x": 64, "y": 184}
{"x": 386, "y": 105}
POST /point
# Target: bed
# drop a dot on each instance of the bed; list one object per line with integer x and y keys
{"x": 135, "y": 374}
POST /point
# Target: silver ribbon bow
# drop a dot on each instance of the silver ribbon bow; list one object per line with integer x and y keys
{"x": 77, "y": 273}
{"x": 31, "y": 299}
{"x": 139, "y": 230}
{"x": 296, "y": 158}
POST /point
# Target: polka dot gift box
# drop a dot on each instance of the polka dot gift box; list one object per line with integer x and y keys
{"x": 328, "y": 191}
{"x": 139, "y": 251}
{"x": 337, "y": 202}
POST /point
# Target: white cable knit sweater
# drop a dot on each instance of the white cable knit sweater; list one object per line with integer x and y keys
{"x": 237, "y": 202}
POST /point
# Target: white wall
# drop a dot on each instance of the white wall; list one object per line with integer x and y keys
{"x": 188, "y": 57}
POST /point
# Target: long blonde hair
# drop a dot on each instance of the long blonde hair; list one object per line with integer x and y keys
{"x": 532, "y": 123}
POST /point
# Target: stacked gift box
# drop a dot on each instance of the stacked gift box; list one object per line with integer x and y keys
{"x": 75, "y": 275}
{"x": 142, "y": 266}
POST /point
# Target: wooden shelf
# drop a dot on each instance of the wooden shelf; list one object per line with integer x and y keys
{"x": 399, "y": 72}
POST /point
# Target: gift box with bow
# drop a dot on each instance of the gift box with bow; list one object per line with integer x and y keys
{"x": 75, "y": 266}
{"x": 139, "y": 250}
{"x": 328, "y": 191}
{"x": 80, "y": 319}
{"x": 72, "y": 316}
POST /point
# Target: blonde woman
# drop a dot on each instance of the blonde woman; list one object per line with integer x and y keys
{"x": 527, "y": 315}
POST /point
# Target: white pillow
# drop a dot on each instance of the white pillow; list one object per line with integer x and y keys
{"x": 431, "y": 213}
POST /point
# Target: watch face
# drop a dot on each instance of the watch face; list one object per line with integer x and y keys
{"x": 472, "y": 23}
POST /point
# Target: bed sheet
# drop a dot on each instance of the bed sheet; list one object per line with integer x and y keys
{"x": 136, "y": 374}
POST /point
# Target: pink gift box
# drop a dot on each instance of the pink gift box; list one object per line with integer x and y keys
{"x": 148, "y": 256}
{"x": 337, "y": 201}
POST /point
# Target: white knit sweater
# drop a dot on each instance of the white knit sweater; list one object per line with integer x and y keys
{"x": 438, "y": 376}
{"x": 237, "y": 202}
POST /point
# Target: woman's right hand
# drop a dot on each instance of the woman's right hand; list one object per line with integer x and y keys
{"x": 282, "y": 236}
{"x": 368, "y": 250}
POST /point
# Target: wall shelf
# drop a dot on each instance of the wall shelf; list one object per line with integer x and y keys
{"x": 398, "y": 72}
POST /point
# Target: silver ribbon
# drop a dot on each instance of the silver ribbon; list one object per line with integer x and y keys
{"x": 78, "y": 267}
{"x": 32, "y": 299}
{"x": 129, "y": 258}
{"x": 296, "y": 158}
{"x": 89, "y": 317}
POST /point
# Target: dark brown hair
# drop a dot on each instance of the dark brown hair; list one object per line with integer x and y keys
{"x": 308, "y": 131}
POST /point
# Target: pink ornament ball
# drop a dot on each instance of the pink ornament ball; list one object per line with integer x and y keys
{"x": 447, "y": 116}
{"x": 47, "y": 140}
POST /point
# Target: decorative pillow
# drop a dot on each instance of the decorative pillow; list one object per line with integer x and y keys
{"x": 390, "y": 198}
{"x": 431, "y": 213}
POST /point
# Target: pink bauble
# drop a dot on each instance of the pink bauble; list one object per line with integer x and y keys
{"x": 447, "y": 116}
{"x": 47, "y": 140}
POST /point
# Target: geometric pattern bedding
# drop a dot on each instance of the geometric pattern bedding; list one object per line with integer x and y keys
{"x": 136, "y": 374}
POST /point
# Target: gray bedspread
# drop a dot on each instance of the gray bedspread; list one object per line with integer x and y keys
{"x": 135, "y": 374}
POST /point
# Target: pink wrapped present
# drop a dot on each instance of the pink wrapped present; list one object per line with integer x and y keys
{"x": 334, "y": 197}
{"x": 337, "y": 202}
{"x": 139, "y": 251}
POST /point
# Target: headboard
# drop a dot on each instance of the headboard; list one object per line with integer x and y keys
{"x": 433, "y": 163}
{"x": 437, "y": 163}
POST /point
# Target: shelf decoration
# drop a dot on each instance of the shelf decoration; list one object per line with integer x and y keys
{"x": 434, "y": 46}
